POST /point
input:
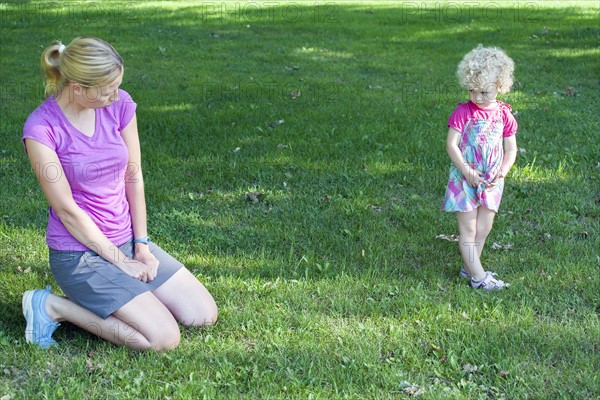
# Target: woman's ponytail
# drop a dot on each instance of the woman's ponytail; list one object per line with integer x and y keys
{"x": 50, "y": 64}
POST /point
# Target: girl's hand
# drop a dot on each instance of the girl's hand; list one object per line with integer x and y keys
{"x": 473, "y": 177}
{"x": 144, "y": 256}
{"x": 499, "y": 176}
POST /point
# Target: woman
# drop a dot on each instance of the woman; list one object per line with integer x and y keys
{"x": 83, "y": 145}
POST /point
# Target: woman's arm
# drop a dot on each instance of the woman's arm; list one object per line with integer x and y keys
{"x": 134, "y": 180}
{"x": 134, "y": 190}
{"x": 473, "y": 176}
{"x": 58, "y": 193}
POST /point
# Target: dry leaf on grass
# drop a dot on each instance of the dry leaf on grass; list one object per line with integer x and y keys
{"x": 450, "y": 238}
{"x": 91, "y": 367}
{"x": 276, "y": 123}
{"x": 253, "y": 197}
{"x": 469, "y": 368}
{"x": 569, "y": 91}
{"x": 499, "y": 246}
{"x": 411, "y": 390}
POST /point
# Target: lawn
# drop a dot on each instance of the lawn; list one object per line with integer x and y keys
{"x": 294, "y": 158}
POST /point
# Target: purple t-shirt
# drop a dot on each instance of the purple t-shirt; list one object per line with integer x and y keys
{"x": 94, "y": 167}
{"x": 471, "y": 111}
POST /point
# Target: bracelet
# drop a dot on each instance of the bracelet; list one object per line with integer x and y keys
{"x": 145, "y": 240}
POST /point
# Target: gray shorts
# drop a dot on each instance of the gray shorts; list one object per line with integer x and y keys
{"x": 99, "y": 286}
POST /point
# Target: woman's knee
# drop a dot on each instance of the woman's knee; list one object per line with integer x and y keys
{"x": 164, "y": 338}
{"x": 204, "y": 315}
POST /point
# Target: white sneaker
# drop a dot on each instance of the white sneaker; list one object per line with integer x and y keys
{"x": 489, "y": 283}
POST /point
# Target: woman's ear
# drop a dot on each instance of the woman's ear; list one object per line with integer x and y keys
{"x": 76, "y": 89}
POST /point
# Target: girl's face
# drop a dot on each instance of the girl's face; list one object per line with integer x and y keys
{"x": 484, "y": 97}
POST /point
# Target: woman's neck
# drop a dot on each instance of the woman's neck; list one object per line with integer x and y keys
{"x": 69, "y": 104}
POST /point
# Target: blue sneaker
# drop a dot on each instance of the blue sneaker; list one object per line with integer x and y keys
{"x": 40, "y": 326}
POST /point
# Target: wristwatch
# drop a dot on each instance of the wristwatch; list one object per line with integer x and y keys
{"x": 145, "y": 240}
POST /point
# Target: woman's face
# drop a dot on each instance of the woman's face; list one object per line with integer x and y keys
{"x": 100, "y": 96}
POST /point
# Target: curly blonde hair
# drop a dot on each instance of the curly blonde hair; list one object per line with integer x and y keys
{"x": 484, "y": 66}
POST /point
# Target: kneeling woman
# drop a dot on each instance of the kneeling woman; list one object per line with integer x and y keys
{"x": 83, "y": 145}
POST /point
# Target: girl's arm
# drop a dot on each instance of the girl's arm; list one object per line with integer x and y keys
{"x": 134, "y": 190}
{"x": 473, "y": 176}
{"x": 79, "y": 224}
{"x": 510, "y": 155}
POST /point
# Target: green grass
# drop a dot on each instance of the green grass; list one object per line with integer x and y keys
{"x": 333, "y": 285}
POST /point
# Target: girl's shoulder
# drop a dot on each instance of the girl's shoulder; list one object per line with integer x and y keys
{"x": 504, "y": 108}
{"x": 459, "y": 117}
{"x": 462, "y": 108}
{"x": 510, "y": 123}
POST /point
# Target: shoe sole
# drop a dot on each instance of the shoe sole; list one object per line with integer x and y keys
{"x": 28, "y": 310}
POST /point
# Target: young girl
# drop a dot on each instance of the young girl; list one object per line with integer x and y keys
{"x": 482, "y": 146}
{"x": 83, "y": 145}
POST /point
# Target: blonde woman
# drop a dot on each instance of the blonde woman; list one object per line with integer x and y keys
{"x": 482, "y": 145}
{"x": 83, "y": 145}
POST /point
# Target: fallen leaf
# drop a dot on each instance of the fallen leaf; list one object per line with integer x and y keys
{"x": 413, "y": 391}
{"x": 276, "y": 123}
{"x": 451, "y": 238}
{"x": 90, "y": 367}
{"x": 470, "y": 368}
{"x": 499, "y": 246}
{"x": 253, "y": 197}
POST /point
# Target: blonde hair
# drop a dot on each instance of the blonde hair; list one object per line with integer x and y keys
{"x": 484, "y": 66}
{"x": 88, "y": 61}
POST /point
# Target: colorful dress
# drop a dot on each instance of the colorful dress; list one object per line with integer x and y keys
{"x": 482, "y": 146}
